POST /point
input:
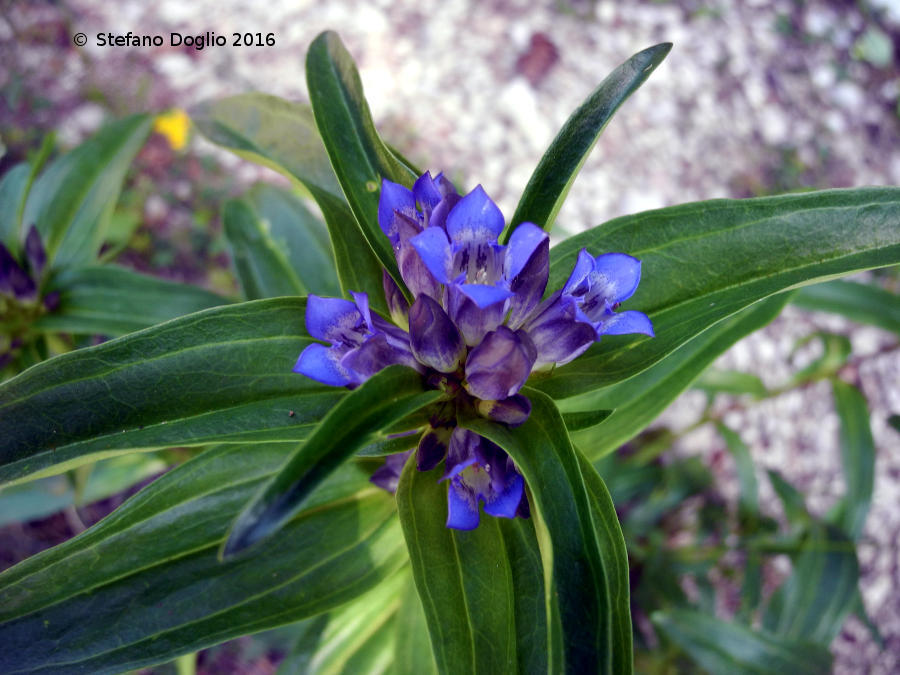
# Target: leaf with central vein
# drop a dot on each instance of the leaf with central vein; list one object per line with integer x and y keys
{"x": 703, "y": 262}
{"x": 383, "y": 399}
{"x": 283, "y": 135}
{"x": 223, "y": 372}
{"x": 72, "y": 200}
{"x": 113, "y": 301}
{"x": 359, "y": 156}
{"x": 863, "y": 303}
{"x": 857, "y": 457}
{"x": 638, "y": 400}
{"x": 722, "y": 647}
{"x": 464, "y": 580}
{"x": 145, "y": 584}
{"x": 579, "y": 597}
{"x": 549, "y": 184}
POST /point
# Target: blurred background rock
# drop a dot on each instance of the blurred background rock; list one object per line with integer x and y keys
{"x": 757, "y": 97}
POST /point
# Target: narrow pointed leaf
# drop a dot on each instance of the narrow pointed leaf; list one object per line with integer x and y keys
{"x": 73, "y": 198}
{"x": 746, "y": 471}
{"x": 714, "y": 381}
{"x": 220, "y": 373}
{"x": 549, "y": 184}
{"x": 146, "y": 584}
{"x": 412, "y": 646}
{"x": 464, "y": 580}
{"x": 359, "y": 157}
{"x": 580, "y": 558}
{"x": 283, "y": 135}
{"x": 13, "y": 191}
{"x": 704, "y": 262}
{"x": 821, "y": 591}
{"x": 584, "y": 419}
{"x": 864, "y": 303}
{"x": 857, "y": 456}
{"x": 640, "y": 399}
{"x": 722, "y": 647}
{"x": 113, "y": 301}
{"x": 386, "y": 397}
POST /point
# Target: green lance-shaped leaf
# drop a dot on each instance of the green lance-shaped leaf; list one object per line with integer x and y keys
{"x": 864, "y": 303}
{"x": 383, "y": 399}
{"x": 822, "y": 589}
{"x": 359, "y": 157}
{"x": 146, "y": 584}
{"x": 858, "y": 458}
{"x": 220, "y": 374}
{"x": 705, "y": 261}
{"x": 13, "y": 192}
{"x": 277, "y": 246}
{"x": 722, "y": 647}
{"x": 549, "y": 184}
{"x": 580, "y": 542}
{"x": 113, "y": 301}
{"x": 412, "y": 646}
{"x": 746, "y": 471}
{"x": 478, "y": 588}
{"x": 638, "y": 400}
{"x": 283, "y": 136}
{"x": 714, "y": 381}
{"x": 73, "y": 198}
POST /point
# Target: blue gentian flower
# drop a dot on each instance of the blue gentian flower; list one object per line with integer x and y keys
{"x": 477, "y": 328}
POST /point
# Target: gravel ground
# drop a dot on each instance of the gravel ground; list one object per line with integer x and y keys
{"x": 756, "y": 97}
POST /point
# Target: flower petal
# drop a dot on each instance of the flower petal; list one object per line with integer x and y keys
{"x": 505, "y": 503}
{"x": 523, "y": 243}
{"x": 387, "y": 476}
{"x": 556, "y": 332}
{"x": 332, "y": 319}
{"x": 34, "y": 252}
{"x": 475, "y": 218}
{"x": 461, "y": 453}
{"x": 473, "y": 323}
{"x": 623, "y": 323}
{"x": 434, "y": 338}
{"x": 498, "y": 367}
{"x": 484, "y": 296}
{"x": 394, "y": 197}
{"x": 396, "y": 301}
{"x": 426, "y": 193}
{"x": 432, "y": 448}
{"x": 321, "y": 364}
{"x": 433, "y": 248}
{"x": 462, "y": 507}
{"x": 528, "y": 268}
{"x": 578, "y": 283}
{"x": 622, "y": 274}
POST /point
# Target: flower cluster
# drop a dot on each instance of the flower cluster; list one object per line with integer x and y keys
{"x": 477, "y": 327}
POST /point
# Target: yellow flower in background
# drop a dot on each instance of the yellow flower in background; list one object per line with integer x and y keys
{"x": 174, "y": 126}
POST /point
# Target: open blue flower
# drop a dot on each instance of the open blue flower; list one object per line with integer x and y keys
{"x": 477, "y": 328}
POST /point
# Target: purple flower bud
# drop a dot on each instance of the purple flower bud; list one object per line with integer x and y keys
{"x": 499, "y": 366}
{"x": 13, "y": 279}
{"x": 434, "y": 339}
{"x": 432, "y": 448}
{"x": 513, "y": 411}
{"x": 396, "y": 301}
{"x": 387, "y": 476}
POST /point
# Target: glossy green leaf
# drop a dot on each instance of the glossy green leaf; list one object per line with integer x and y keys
{"x": 722, "y": 647}
{"x": 359, "y": 637}
{"x": 639, "y": 400}
{"x": 380, "y": 401}
{"x": 464, "y": 579}
{"x": 72, "y": 200}
{"x": 412, "y": 646}
{"x": 224, "y": 373}
{"x": 13, "y": 191}
{"x": 113, "y": 301}
{"x": 584, "y": 419}
{"x": 283, "y": 136}
{"x": 578, "y": 545}
{"x": 146, "y": 584}
{"x": 359, "y": 157}
{"x": 857, "y": 456}
{"x": 814, "y": 601}
{"x": 549, "y": 184}
{"x": 714, "y": 381}
{"x": 864, "y": 303}
{"x": 44, "y": 497}
{"x": 705, "y": 261}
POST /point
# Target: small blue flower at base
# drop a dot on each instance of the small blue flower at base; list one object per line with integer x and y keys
{"x": 477, "y": 328}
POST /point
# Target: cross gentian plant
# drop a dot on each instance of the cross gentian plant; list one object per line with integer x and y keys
{"x": 476, "y": 329}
